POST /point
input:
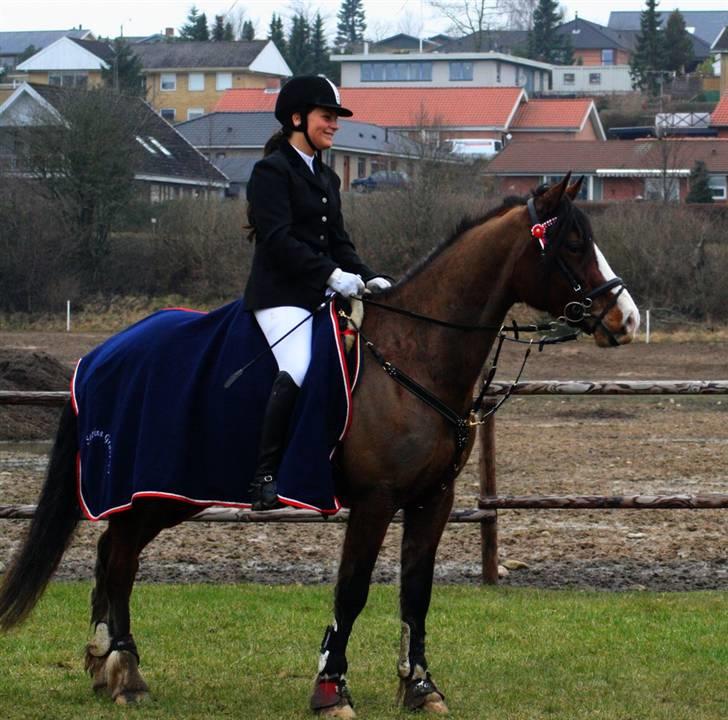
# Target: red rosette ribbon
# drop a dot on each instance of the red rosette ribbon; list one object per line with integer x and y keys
{"x": 539, "y": 232}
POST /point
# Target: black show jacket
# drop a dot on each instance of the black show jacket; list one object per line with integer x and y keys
{"x": 299, "y": 232}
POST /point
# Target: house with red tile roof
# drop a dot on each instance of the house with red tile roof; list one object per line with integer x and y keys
{"x": 614, "y": 170}
{"x": 719, "y": 117}
{"x": 504, "y": 114}
{"x": 557, "y": 119}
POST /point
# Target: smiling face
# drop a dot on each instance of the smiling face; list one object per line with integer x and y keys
{"x": 322, "y": 124}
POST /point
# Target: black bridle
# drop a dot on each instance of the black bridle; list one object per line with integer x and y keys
{"x": 577, "y": 313}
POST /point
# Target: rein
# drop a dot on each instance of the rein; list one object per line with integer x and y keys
{"x": 574, "y": 313}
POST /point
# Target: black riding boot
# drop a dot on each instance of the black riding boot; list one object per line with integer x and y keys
{"x": 263, "y": 491}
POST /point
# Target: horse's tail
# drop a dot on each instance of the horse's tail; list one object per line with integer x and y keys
{"x": 50, "y": 530}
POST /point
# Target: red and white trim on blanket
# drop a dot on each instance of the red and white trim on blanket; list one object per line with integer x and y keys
{"x": 349, "y": 383}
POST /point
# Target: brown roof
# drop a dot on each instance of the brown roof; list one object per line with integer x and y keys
{"x": 552, "y": 114}
{"x": 719, "y": 116}
{"x": 489, "y": 107}
{"x": 522, "y": 157}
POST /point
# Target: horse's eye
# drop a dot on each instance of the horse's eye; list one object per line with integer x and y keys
{"x": 575, "y": 244}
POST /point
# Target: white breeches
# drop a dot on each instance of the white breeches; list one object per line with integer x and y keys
{"x": 294, "y": 353}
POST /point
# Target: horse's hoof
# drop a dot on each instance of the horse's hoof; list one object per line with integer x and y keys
{"x": 419, "y": 692}
{"x": 434, "y": 704}
{"x": 331, "y": 698}
{"x": 341, "y": 710}
{"x": 131, "y": 697}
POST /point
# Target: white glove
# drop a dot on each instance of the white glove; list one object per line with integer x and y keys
{"x": 345, "y": 283}
{"x": 377, "y": 284}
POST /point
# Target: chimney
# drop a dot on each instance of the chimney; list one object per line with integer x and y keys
{"x": 169, "y": 32}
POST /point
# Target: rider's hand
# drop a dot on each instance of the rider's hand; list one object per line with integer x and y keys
{"x": 377, "y": 284}
{"x": 345, "y": 283}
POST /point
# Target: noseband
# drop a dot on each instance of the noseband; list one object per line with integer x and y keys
{"x": 577, "y": 312}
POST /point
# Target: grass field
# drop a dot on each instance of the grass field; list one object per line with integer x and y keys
{"x": 251, "y": 652}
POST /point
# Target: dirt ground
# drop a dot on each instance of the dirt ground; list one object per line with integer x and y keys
{"x": 605, "y": 446}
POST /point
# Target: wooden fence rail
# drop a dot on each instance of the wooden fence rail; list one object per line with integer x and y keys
{"x": 489, "y": 501}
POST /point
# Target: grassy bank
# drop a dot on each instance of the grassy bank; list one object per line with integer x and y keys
{"x": 251, "y": 651}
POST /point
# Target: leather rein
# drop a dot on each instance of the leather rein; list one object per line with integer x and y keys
{"x": 574, "y": 313}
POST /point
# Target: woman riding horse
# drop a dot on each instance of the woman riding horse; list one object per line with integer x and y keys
{"x": 301, "y": 250}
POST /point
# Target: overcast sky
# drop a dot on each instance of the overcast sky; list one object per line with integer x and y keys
{"x": 384, "y": 17}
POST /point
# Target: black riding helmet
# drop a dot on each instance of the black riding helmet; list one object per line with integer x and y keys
{"x": 303, "y": 93}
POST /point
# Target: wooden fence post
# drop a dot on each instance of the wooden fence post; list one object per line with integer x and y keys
{"x": 489, "y": 525}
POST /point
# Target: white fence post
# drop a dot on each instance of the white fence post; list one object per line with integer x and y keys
{"x": 68, "y": 316}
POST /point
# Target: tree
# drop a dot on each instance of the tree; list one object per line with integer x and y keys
{"x": 678, "y": 44}
{"x": 298, "y": 46}
{"x": 82, "y": 158}
{"x": 699, "y": 184}
{"x": 647, "y": 66}
{"x": 196, "y": 27}
{"x": 218, "y": 29}
{"x": 275, "y": 33}
{"x": 248, "y": 32}
{"x": 320, "y": 62}
{"x": 125, "y": 74}
{"x": 545, "y": 44}
{"x": 476, "y": 18}
{"x": 351, "y": 24}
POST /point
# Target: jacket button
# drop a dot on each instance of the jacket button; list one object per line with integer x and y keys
{"x": 322, "y": 237}
{"x": 324, "y": 200}
{"x": 323, "y": 218}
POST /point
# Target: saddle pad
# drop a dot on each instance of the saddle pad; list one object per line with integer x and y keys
{"x": 154, "y": 418}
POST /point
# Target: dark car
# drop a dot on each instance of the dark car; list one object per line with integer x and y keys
{"x": 381, "y": 180}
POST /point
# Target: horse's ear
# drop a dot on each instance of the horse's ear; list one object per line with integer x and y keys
{"x": 547, "y": 203}
{"x": 573, "y": 190}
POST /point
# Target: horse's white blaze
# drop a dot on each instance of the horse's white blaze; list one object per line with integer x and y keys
{"x": 625, "y": 303}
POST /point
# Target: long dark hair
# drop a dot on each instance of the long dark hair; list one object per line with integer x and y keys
{"x": 274, "y": 143}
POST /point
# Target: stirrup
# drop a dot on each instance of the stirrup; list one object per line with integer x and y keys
{"x": 263, "y": 494}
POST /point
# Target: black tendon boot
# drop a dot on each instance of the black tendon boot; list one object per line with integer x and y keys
{"x": 263, "y": 491}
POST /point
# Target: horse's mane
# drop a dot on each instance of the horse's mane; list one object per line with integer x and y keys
{"x": 568, "y": 215}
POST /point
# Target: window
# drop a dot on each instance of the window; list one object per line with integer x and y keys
{"x": 662, "y": 188}
{"x": 717, "y": 185}
{"x": 159, "y": 145}
{"x": 497, "y": 71}
{"x": 461, "y": 70}
{"x": 608, "y": 57}
{"x": 361, "y": 167}
{"x": 167, "y": 114}
{"x": 168, "y": 81}
{"x": 193, "y": 113}
{"x": 223, "y": 80}
{"x": 68, "y": 79}
{"x": 396, "y": 71}
{"x": 196, "y": 82}
{"x": 595, "y": 78}
{"x": 569, "y": 78}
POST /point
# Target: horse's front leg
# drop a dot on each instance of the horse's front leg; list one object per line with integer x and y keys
{"x": 365, "y": 532}
{"x": 423, "y": 527}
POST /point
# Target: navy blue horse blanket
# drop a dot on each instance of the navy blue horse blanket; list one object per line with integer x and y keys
{"x": 155, "y": 420}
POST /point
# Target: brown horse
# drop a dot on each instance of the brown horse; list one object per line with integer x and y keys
{"x": 400, "y": 453}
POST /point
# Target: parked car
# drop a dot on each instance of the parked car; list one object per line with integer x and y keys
{"x": 381, "y": 180}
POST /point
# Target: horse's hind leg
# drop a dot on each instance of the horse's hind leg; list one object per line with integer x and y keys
{"x": 364, "y": 535}
{"x": 126, "y": 539}
{"x": 423, "y": 527}
{"x": 99, "y": 647}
